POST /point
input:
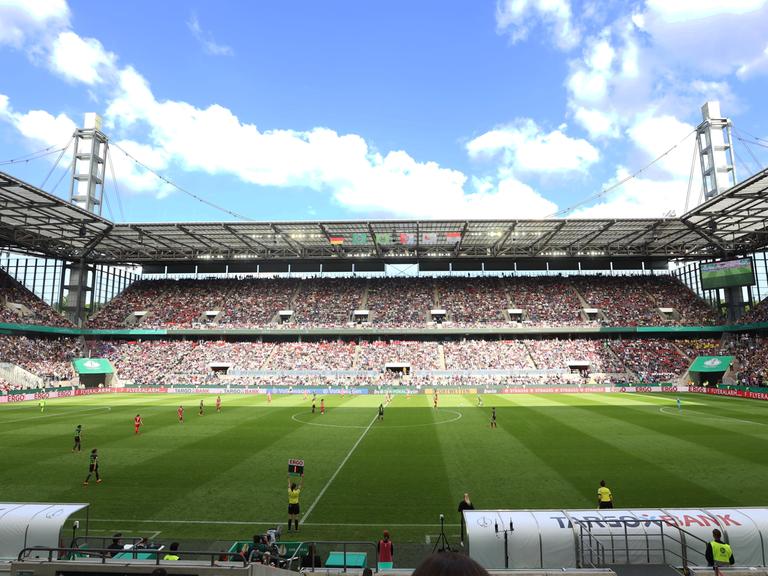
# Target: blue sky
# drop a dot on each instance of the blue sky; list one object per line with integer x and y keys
{"x": 349, "y": 109}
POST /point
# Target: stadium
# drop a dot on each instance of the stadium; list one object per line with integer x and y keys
{"x": 509, "y": 396}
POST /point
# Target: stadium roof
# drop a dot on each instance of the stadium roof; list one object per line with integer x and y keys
{"x": 34, "y": 220}
{"x": 733, "y": 222}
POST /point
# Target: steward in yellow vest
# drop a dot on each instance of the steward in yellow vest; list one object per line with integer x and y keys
{"x": 718, "y": 553}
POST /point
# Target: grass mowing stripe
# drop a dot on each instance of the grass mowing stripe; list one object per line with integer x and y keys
{"x": 269, "y": 523}
{"x": 336, "y": 473}
{"x": 68, "y": 413}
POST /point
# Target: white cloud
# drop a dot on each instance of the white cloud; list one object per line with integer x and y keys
{"x": 24, "y": 20}
{"x": 206, "y": 40}
{"x": 654, "y": 135}
{"x": 663, "y": 187}
{"x": 716, "y": 37}
{"x": 38, "y": 126}
{"x": 361, "y": 179}
{"x": 687, "y": 10}
{"x": 638, "y": 198}
{"x": 518, "y": 17}
{"x": 757, "y": 65}
{"x": 597, "y": 123}
{"x": 524, "y": 147}
{"x": 213, "y": 140}
{"x": 81, "y": 59}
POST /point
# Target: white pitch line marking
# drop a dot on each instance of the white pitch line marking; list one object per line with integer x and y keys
{"x": 272, "y": 522}
{"x": 109, "y": 408}
{"x": 332, "y": 478}
{"x": 326, "y": 425}
{"x": 705, "y": 416}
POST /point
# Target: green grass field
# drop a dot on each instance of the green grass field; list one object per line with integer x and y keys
{"x": 223, "y": 476}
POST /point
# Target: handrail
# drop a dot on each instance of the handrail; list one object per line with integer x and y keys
{"x": 585, "y": 525}
{"x": 313, "y": 543}
{"x": 107, "y": 553}
{"x": 103, "y": 539}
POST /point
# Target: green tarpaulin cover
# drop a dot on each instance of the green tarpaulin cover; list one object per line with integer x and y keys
{"x": 711, "y": 364}
{"x": 92, "y": 366}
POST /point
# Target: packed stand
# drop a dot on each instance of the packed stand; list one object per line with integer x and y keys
{"x": 312, "y": 356}
{"x": 701, "y": 347}
{"x": 752, "y": 361}
{"x": 555, "y": 353}
{"x": 48, "y": 358}
{"x": 183, "y": 303}
{"x": 757, "y": 314}
{"x": 668, "y": 292}
{"x": 255, "y": 302}
{"x": 652, "y": 360}
{"x": 145, "y": 362}
{"x": 243, "y": 356}
{"x": 400, "y": 302}
{"x": 139, "y": 296}
{"x": 623, "y": 301}
{"x": 11, "y": 292}
{"x": 327, "y": 301}
{"x": 376, "y": 355}
{"x": 545, "y": 300}
{"x": 487, "y": 355}
{"x": 471, "y": 301}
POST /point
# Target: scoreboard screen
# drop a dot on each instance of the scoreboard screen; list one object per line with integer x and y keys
{"x": 295, "y": 467}
{"x": 727, "y": 273}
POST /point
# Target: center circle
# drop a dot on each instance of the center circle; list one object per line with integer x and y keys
{"x": 457, "y": 416}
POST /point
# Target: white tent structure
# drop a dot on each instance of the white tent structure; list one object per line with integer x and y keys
{"x": 584, "y": 538}
{"x": 25, "y": 525}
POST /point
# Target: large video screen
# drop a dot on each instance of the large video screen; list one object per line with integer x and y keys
{"x": 727, "y": 274}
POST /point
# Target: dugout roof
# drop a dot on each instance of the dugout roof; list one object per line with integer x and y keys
{"x": 734, "y": 222}
{"x": 24, "y": 525}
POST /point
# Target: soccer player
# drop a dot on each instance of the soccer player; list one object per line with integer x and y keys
{"x": 434, "y": 400}
{"x": 313, "y": 404}
{"x": 137, "y": 422}
{"x": 293, "y": 501}
{"x": 180, "y": 412}
{"x": 322, "y": 405}
{"x": 93, "y": 467}
{"x": 269, "y": 397}
{"x": 42, "y": 405}
{"x": 218, "y": 403}
{"x": 479, "y": 400}
{"x": 381, "y": 411}
{"x": 679, "y": 405}
{"x": 78, "y": 432}
{"x": 200, "y": 413}
{"x": 493, "y": 417}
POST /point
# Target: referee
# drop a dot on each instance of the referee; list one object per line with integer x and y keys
{"x": 604, "y": 496}
{"x": 293, "y": 502}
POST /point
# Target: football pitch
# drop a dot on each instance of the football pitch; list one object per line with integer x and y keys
{"x": 224, "y": 475}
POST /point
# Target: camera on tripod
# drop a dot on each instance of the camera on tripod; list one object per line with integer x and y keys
{"x": 442, "y": 544}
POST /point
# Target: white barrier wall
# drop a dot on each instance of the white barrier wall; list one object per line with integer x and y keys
{"x": 550, "y": 538}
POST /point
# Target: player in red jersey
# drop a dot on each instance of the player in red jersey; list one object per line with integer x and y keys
{"x": 218, "y": 403}
{"x": 180, "y": 412}
{"x": 137, "y": 422}
{"x": 322, "y": 405}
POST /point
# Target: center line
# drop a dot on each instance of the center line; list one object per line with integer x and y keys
{"x": 332, "y": 478}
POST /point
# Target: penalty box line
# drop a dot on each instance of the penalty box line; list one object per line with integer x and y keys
{"x": 336, "y": 473}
